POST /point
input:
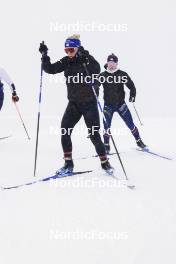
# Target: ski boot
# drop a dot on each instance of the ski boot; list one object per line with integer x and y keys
{"x": 106, "y": 166}
{"x": 67, "y": 169}
{"x": 140, "y": 144}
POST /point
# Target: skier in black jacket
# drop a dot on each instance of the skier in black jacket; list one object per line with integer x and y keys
{"x": 82, "y": 101}
{"x": 113, "y": 81}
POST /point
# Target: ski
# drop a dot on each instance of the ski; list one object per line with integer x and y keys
{"x": 146, "y": 150}
{"x": 53, "y": 177}
{"x": 60, "y": 176}
{"x": 1, "y": 138}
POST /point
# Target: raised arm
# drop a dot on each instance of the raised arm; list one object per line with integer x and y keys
{"x": 49, "y": 67}
{"x": 52, "y": 68}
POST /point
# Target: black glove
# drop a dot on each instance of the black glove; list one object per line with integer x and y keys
{"x": 82, "y": 52}
{"x": 43, "y": 49}
{"x": 15, "y": 97}
{"x": 132, "y": 98}
{"x": 83, "y": 55}
{"x": 106, "y": 66}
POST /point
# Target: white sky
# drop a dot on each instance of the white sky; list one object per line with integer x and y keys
{"x": 146, "y": 50}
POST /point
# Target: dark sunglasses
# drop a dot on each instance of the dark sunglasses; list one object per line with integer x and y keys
{"x": 69, "y": 50}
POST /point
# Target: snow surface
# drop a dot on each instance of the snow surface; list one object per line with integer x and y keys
{"x": 89, "y": 218}
{"x": 52, "y": 221}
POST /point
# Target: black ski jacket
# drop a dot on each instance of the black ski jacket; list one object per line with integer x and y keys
{"x": 78, "y": 92}
{"x": 114, "y": 93}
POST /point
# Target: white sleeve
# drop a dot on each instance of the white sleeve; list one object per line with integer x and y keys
{"x": 5, "y": 77}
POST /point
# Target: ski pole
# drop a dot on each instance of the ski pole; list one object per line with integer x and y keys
{"x": 101, "y": 109}
{"x": 137, "y": 114}
{"x": 18, "y": 111}
{"x": 38, "y": 121}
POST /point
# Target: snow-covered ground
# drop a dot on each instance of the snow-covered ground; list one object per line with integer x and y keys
{"x": 89, "y": 218}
